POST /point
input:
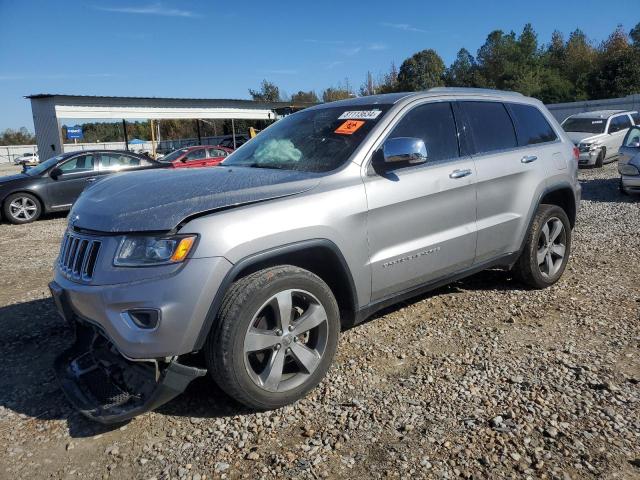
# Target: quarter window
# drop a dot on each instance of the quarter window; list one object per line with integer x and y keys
{"x": 491, "y": 126}
{"x": 531, "y": 125}
{"x": 435, "y": 125}
{"x": 81, "y": 163}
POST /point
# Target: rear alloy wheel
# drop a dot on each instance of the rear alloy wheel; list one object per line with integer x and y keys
{"x": 547, "y": 248}
{"x": 275, "y": 337}
{"x": 22, "y": 208}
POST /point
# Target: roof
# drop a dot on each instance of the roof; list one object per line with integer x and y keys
{"x": 599, "y": 113}
{"x": 209, "y": 101}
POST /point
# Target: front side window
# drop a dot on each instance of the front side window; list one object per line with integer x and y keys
{"x": 170, "y": 157}
{"x": 199, "y": 154}
{"x": 81, "y": 163}
{"x": 316, "y": 140}
{"x": 115, "y": 161}
{"x": 491, "y": 127}
{"x": 531, "y": 125}
{"x": 584, "y": 125}
{"x": 435, "y": 125}
{"x": 632, "y": 139}
{"x": 636, "y": 118}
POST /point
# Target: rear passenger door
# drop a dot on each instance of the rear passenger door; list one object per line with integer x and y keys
{"x": 515, "y": 149}
{"x": 421, "y": 219}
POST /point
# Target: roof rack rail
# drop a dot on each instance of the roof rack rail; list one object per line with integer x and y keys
{"x": 486, "y": 91}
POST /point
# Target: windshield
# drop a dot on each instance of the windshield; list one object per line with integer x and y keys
{"x": 170, "y": 157}
{"x": 317, "y": 140}
{"x": 44, "y": 166}
{"x": 587, "y": 125}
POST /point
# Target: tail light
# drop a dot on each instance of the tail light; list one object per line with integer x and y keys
{"x": 576, "y": 153}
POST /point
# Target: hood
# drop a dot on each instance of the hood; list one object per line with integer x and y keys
{"x": 13, "y": 178}
{"x": 158, "y": 200}
{"x": 577, "y": 137}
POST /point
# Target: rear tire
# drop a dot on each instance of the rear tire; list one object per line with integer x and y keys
{"x": 623, "y": 190}
{"x": 546, "y": 249}
{"x": 20, "y": 208}
{"x": 274, "y": 338}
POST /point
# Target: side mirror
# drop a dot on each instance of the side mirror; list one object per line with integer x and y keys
{"x": 407, "y": 150}
{"x": 55, "y": 173}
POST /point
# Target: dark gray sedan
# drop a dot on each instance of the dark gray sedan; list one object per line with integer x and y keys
{"x": 56, "y": 183}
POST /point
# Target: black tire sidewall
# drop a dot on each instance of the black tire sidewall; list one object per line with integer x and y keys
{"x": 229, "y": 344}
{"x": 7, "y": 213}
{"x": 535, "y": 277}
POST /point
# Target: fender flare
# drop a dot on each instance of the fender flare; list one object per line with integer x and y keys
{"x": 263, "y": 256}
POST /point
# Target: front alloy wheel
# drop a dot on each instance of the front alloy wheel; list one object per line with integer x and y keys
{"x": 286, "y": 340}
{"x": 274, "y": 338}
{"x": 22, "y": 208}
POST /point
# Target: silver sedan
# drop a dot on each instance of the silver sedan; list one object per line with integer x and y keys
{"x": 629, "y": 162}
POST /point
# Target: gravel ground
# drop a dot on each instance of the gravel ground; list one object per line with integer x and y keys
{"x": 481, "y": 379}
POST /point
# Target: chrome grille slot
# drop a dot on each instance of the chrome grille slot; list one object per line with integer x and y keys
{"x": 78, "y": 256}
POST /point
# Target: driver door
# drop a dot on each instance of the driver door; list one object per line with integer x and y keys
{"x": 76, "y": 174}
{"x": 422, "y": 218}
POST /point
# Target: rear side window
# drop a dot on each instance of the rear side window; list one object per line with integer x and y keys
{"x": 619, "y": 123}
{"x": 531, "y": 125}
{"x": 434, "y": 124}
{"x": 491, "y": 126}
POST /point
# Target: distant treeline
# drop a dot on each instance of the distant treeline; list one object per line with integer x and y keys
{"x": 564, "y": 70}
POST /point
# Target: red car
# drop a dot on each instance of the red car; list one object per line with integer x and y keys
{"x": 199, "y": 156}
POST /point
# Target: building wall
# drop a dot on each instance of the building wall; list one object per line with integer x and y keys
{"x": 562, "y": 110}
{"x": 47, "y": 130}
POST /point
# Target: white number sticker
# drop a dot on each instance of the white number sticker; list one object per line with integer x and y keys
{"x": 360, "y": 115}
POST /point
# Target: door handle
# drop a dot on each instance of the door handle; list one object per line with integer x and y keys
{"x": 460, "y": 173}
{"x": 91, "y": 179}
{"x": 528, "y": 159}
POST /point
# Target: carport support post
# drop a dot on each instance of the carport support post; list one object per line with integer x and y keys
{"x": 126, "y": 139}
{"x": 233, "y": 133}
{"x": 199, "y": 133}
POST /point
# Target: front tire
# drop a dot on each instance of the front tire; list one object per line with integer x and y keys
{"x": 275, "y": 337}
{"x": 600, "y": 158}
{"x": 547, "y": 248}
{"x": 22, "y": 208}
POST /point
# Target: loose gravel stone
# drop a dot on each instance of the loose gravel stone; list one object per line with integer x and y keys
{"x": 480, "y": 379}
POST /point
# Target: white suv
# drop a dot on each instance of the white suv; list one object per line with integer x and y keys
{"x": 599, "y": 134}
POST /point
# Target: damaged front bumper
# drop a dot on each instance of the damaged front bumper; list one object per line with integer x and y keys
{"x": 109, "y": 388}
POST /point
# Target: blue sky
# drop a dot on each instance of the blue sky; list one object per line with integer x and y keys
{"x": 212, "y": 49}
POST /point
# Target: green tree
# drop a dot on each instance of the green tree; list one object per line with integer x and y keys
{"x": 333, "y": 94}
{"x": 421, "y": 71}
{"x": 463, "y": 71}
{"x": 617, "y": 69}
{"x": 22, "y": 136}
{"x": 269, "y": 92}
{"x": 305, "y": 97}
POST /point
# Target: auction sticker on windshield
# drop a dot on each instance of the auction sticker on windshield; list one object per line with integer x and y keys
{"x": 349, "y": 127}
{"x": 360, "y": 115}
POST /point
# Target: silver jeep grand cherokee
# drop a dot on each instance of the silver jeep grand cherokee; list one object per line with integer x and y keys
{"x": 249, "y": 270}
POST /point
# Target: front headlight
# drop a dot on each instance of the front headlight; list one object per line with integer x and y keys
{"x": 137, "y": 251}
{"x": 630, "y": 170}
